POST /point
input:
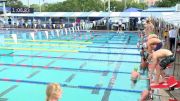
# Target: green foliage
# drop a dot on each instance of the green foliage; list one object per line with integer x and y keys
{"x": 74, "y": 6}
{"x": 131, "y": 3}
{"x": 80, "y": 5}
{"x": 90, "y": 5}
{"x": 167, "y": 3}
{"x": 52, "y": 7}
{"x": 120, "y": 5}
{"x": 116, "y": 5}
{"x": 136, "y": 5}
{"x": 14, "y": 3}
{"x": 35, "y": 6}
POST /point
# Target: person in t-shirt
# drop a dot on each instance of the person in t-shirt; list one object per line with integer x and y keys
{"x": 172, "y": 37}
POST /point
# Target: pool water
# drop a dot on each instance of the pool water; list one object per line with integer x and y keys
{"x": 93, "y": 66}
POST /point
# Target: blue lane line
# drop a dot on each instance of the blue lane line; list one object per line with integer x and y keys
{"x": 70, "y": 86}
{"x": 108, "y": 43}
{"x": 110, "y": 47}
{"x": 109, "y": 53}
{"x": 103, "y": 60}
{"x": 64, "y": 68}
{"x": 70, "y": 58}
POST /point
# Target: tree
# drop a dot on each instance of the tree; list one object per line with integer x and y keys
{"x": 75, "y": 6}
{"x": 132, "y": 3}
{"x": 89, "y": 5}
{"x": 120, "y": 5}
{"x": 14, "y": 3}
{"x": 35, "y": 6}
{"x": 167, "y": 3}
{"x": 93, "y": 5}
{"x": 115, "y": 5}
{"x": 137, "y": 5}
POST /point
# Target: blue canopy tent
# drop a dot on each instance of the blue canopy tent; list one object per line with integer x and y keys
{"x": 133, "y": 10}
{"x": 133, "y": 20}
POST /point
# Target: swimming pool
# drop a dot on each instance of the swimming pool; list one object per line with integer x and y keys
{"x": 90, "y": 66}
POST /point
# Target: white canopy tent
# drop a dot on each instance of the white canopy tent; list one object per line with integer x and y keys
{"x": 168, "y": 17}
{"x": 171, "y": 18}
{"x": 84, "y": 14}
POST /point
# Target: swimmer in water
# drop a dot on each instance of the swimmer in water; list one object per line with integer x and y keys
{"x": 135, "y": 75}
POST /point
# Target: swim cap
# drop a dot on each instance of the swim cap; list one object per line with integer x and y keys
{"x": 151, "y": 33}
{"x": 135, "y": 69}
{"x": 153, "y": 36}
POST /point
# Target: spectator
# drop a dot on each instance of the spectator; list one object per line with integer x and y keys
{"x": 39, "y": 23}
{"x": 119, "y": 26}
{"x": 17, "y": 23}
{"x": 23, "y": 23}
{"x": 172, "y": 36}
{"x": 165, "y": 35}
{"x": 178, "y": 41}
{"x": 29, "y": 23}
{"x": 9, "y": 21}
{"x": 50, "y": 23}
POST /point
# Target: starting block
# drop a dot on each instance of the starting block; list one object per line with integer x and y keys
{"x": 169, "y": 66}
{"x": 171, "y": 83}
{"x": 172, "y": 99}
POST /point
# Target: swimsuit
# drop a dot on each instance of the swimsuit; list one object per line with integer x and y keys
{"x": 167, "y": 60}
{"x": 144, "y": 55}
{"x": 158, "y": 46}
{"x": 134, "y": 80}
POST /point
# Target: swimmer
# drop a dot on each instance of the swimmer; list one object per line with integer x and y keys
{"x": 160, "y": 60}
{"x": 144, "y": 54}
{"x": 153, "y": 44}
{"x": 135, "y": 75}
{"x": 53, "y": 92}
{"x": 149, "y": 27}
{"x": 144, "y": 63}
{"x": 152, "y": 36}
{"x": 146, "y": 38}
{"x": 143, "y": 66}
{"x": 145, "y": 95}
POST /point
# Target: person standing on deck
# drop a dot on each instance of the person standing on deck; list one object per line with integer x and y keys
{"x": 172, "y": 37}
{"x": 119, "y": 26}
